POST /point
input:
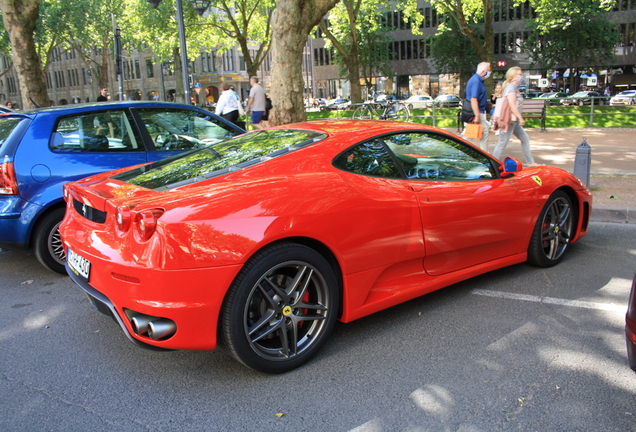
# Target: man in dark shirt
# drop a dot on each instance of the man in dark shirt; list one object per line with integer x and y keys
{"x": 103, "y": 95}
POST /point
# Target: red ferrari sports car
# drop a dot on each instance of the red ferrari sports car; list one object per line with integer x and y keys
{"x": 265, "y": 240}
{"x": 630, "y": 326}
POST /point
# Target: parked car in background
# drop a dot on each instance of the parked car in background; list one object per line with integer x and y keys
{"x": 336, "y": 104}
{"x": 531, "y": 94}
{"x": 447, "y": 101}
{"x": 553, "y": 98}
{"x": 419, "y": 101}
{"x": 585, "y": 98}
{"x": 627, "y": 97}
{"x": 42, "y": 149}
{"x": 383, "y": 97}
{"x": 5, "y": 109}
{"x": 248, "y": 242}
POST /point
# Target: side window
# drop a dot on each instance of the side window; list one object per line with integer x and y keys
{"x": 108, "y": 131}
{"x": 429, "y": 156}
{"x": 371, "y": 158}
{"x": 177, "y": 129}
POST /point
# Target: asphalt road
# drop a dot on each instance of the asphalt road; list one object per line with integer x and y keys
{"x": 521, "y": 349}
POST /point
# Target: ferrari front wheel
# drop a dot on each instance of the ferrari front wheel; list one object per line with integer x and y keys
{"x": 553, "y": 231}
{"x": 280, "y": 309}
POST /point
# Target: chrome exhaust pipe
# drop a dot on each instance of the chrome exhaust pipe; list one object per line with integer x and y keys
{"x": 140, "y": 323}
{"x": 161, "y": 329}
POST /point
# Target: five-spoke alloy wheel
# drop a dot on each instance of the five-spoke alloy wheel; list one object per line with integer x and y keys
{"x": 553, "y": 231}
{"x": 280, "y": 309}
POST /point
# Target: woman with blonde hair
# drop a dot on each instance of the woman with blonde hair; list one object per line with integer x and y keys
{"x": 514, "y": 77}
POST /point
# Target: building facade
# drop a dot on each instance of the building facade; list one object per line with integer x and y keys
{"x": 70, "y": 80}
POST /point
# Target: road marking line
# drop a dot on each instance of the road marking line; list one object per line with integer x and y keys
{"x": 551, "y": 300}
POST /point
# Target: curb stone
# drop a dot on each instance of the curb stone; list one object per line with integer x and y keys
{"x": 625, "y": 215}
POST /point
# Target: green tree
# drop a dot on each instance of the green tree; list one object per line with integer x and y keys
{"x": 293, "y": 21}
{"x": 452, "y": 52}
{"x": 573, "y": 34}
{"x": 474, "y": 20}
{"x": 375, "y": 57}
{"x": 354, "y": 29}
{"x": 246, "y": 23}
{"x": 19, "y": 18}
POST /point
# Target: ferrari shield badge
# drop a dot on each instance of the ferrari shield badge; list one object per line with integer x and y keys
{"x": 538, "y": 180}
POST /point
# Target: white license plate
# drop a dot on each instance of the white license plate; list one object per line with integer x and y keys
{"x": 78, "y": 264}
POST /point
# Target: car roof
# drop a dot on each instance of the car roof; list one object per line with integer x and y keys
{"x": 363, "y": 128}
{"x": 94, "y": 106}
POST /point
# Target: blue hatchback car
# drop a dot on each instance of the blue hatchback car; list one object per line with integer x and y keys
{"x": 42, "y": 149}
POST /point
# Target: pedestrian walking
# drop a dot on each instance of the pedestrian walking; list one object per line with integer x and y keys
{"x": 477, "y": 95}
{"x": 256, "y": 103}
{"x": 509, "y": 120}
{"x": 227, "y": 105}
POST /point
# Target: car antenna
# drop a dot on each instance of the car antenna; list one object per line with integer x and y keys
{"x": 33, "y": 102}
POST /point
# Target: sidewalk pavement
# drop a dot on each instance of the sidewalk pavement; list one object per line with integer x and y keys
{"x": 613, "y": 152}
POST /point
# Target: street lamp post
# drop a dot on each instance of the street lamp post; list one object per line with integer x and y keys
{"x": 200, "y": 6}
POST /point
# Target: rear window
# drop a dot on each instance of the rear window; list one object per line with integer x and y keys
{"x": 221, "y": 158}
{"x": 7, "y": 126}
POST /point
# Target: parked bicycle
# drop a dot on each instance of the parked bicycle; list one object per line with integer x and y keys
{"x": 393, "y": 110}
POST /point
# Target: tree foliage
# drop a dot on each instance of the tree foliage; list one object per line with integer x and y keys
{"x": 574, "y": 34}
{"x": 474, "y": 20}
{"x": 246, "y": 23}
{"x": 471, "y": 15}
{"x": 354, "y": 29}
{"x": 452, "y": 52}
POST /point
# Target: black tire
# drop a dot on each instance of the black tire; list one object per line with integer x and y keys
{"x": 553, "y": 231}
{"x": 280, "y": 309}
{"x": 47, "y": 243}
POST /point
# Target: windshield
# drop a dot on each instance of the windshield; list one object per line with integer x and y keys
{"x": 227, "y": 156}
{"x": 628, "y": 93}
{"x": 581, "y": 94}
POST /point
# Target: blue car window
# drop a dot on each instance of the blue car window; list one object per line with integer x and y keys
{"x": 108, "y": 131}
{"x": 179, "y": 129}
{"x": 429, "y": 156}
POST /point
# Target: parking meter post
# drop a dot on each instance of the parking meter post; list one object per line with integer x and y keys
{"x": 582, "y": 162}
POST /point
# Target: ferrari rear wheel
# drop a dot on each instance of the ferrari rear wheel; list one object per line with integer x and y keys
{"x": 553, "y": 231}
{"x": 280, "y": 309}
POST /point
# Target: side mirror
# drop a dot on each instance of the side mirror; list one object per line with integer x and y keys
{"x": 510, "y": 166}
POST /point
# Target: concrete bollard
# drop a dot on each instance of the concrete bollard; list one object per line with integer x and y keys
{"x": 582, "y": 162}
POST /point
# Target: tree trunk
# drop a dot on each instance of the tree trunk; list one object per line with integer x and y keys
{"x": 178, "y": 73}
{"x": 103, "y": 68}
{"x": 353, "y": 68}
{"x": 293, "y": 21}
{"x": 20, "y": 18}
